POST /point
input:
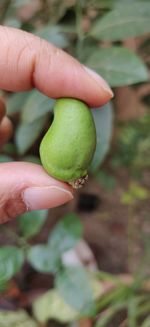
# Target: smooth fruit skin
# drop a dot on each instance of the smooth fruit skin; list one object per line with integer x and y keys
{"x": 68, "y": 146}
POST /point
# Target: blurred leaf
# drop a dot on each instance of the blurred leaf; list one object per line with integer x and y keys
{"x": 19, "y": 3}
{"x": 52, "y": 306}
{"x": 146, "y": 322}
{"x": 118, "y": 65}
{"x": 126, "y": 21}
{"x": 73, "y": 284}
{"x": 9, "y": 149}
{"x": 108, "y": 314}
{"x": 11, "y": 261}
{"x": 31, "y": 158}
{"x": 66, "y": 234}
{"x": 54, "y": 35}
{"x": 27, "y": 134}
{"x": 12, "y": 22}
{"x": 144, "y": 309}
{"x": 31, "y": 223}
{"x": 16, "y": 319}
{"x": 103, "y": 4}
{"x": 15, "y": 102}
{"x": 36, "y": 106}
{"x": 132, "y": 311}
{"x": 135, "y": 192}
{"x": 5, "y": 158}
{"x": 43, "y": 259}
{"x": 103, "y": 118}
{"x": 106, "y": 180}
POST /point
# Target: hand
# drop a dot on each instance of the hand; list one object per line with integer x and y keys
{"x": 27, "y": 62}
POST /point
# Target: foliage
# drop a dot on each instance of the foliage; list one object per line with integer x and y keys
{"x": 133, "y": 145}
{"x": 116, "y": 63}
{"x": 16, "y": 319}
{"x": 72, "y": 282}
{"x": 101, "y": 46}
{"x": 135, "y": 193}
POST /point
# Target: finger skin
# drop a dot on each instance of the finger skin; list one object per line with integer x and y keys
{"x": 27, "y": 61}
{"x": 17, "y": 178}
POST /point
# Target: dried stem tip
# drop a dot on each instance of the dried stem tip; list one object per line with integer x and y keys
{"x": 78, "y": 183}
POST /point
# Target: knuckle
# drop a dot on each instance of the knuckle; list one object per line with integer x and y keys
{"x": 48, "y": 52}
{"x": 11, "y": 208}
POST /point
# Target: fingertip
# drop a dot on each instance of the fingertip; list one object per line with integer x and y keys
{"x": 37, "y": 198}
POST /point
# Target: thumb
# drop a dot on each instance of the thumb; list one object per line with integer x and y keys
{"x": 26, "y": 187}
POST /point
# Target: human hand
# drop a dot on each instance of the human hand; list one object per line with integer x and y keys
{"x": 27, "y": 62}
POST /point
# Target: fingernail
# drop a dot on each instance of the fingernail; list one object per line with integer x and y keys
{"x": 100, "y": 80}
{"x": 37, "y": 198}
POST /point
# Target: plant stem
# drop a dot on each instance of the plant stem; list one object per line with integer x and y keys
{"x": 20, "y": 240}
{"x": 4, "y": 11}
{"x": 79, "y": 30}
{"x": 129, "y": 232}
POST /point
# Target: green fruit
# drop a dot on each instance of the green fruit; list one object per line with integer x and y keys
{"x": 68, "y": 147}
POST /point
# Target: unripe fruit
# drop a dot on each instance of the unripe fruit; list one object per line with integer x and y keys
{"x": 68, "y": 147}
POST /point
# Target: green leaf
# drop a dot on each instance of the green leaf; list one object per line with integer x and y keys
{"x": 103, "y": 118}
{"x": 26, "y": 134}
{"x": 106, "y": 180}
{"x": 132, "y": 310}
{"x": 134, "y": 193}
{"x": 146, "y": 322}
{"x": 109, "y": 313}
{"x": 53, "y": 34}
{"x": 126, "y": 21}
{"x": 16, "y": 319}
{"x": 5, "y": 158}
{"x": 32, "y": 158}
{"x": 52, "y": 306}
{"x": 36, "y": 106}
{"x": 15, "y": 102}
{"x": 31, "y": 223}
{"x": 43, "y": 259}
{"x": 9, "y": 149}
{"x": 66, "y": 234}
{"x": 12, "y": 22}
{"x": 104, "y": 4}
{"x": 118, "y": 65}
{"x": 19, "y": 3}
{"x": 11, "y": 261}
{"x": 73, "y": 284}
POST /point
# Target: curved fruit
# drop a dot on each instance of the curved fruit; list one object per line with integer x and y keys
{"x": 68, "y": 147}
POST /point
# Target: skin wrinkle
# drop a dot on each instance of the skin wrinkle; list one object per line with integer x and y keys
{"x": 32, "y": 55}
{"x": 25, "y": 47}
{"x": 43, "y": 48}
{"x": 13, "y": 207}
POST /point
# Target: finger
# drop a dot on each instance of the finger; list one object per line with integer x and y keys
{"x": 27, "y": 61}
{"x": 26, "y": 186}
{"x": 2, "y": 109}
{"x": 6, "y": 130}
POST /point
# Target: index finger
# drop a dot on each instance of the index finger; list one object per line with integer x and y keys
{"x": 27, "y": 61}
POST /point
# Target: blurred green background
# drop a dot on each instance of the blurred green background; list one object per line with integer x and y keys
{"x": 84, "y": 264}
